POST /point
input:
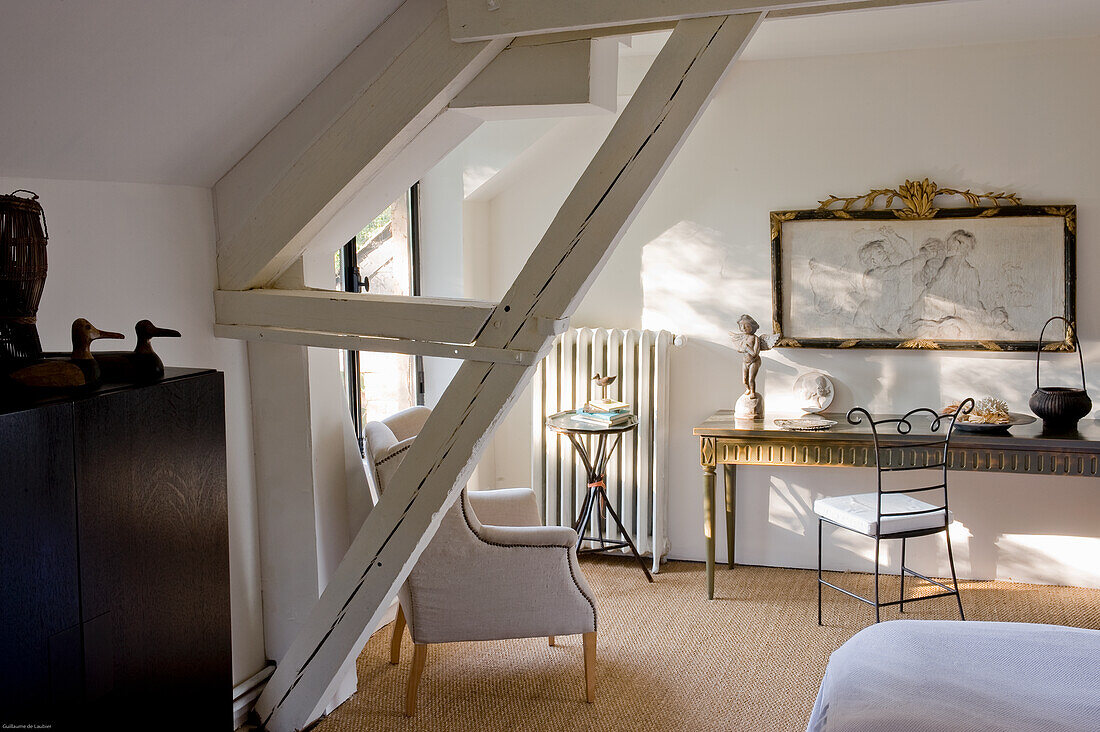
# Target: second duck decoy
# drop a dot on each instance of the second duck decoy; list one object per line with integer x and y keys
{"x": 140, "y": 365}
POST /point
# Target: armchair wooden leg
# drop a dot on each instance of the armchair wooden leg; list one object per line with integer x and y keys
{"x": 551, "y": 639}
{"x": 398, "y": 631}
{"x": 420, "y": 655}
{"x": 590, "y": 667}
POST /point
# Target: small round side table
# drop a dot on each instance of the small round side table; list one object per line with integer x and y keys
{"x": 595, "y": 465}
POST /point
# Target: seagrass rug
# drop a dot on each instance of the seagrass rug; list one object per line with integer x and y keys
{"x": 668, "y": 658}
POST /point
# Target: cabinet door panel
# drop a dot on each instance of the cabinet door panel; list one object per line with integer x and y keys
{"x": 39, "y": 600}
{"x": 154, "y": 546}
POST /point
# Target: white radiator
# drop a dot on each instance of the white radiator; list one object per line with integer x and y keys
{"x": 636, "y": 472}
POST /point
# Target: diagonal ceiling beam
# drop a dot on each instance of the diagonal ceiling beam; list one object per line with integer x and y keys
{"x": 478, "y": 20}
{"x": 562, "y": 268}
{"x": 263, "y": 226}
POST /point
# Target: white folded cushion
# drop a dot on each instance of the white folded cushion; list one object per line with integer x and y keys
{"x": 860, "y": 513}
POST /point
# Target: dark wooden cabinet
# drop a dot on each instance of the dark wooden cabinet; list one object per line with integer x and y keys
{"x": 115, "y": 558}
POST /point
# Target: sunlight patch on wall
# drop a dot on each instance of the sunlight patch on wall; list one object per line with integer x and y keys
{"x": 475, "y": 176}
{"x": 688, "y": 287}
{"x": 1051, "y": 559}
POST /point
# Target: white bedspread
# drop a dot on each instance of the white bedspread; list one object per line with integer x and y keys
{"x": 935, "y": 675}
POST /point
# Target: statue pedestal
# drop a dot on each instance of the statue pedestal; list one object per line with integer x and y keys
{"x": 749, "y": 407}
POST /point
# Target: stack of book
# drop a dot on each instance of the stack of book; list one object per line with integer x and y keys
{"x": 604, "y": 412}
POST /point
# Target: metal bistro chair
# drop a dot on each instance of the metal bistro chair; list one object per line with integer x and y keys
{"x": 889, "y": 513}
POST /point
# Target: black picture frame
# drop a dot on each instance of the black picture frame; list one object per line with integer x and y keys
{"x": 904, "y": 218}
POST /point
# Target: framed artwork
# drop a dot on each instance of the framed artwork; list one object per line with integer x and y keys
{"x": 849, "y": 275}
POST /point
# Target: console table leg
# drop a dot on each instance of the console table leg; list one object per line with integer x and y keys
{"x": 731, "y": 510}
{"x": 708, "y": 525}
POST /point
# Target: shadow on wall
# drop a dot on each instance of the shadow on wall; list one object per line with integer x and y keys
{"x": 991, "y": 539}
{"x": 885, "y": 381}
{"x": 691, "y": 284}
{"x": 1054, "y": 542}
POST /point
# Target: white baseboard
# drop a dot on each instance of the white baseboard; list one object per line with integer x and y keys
{"x": 246, "y": 693}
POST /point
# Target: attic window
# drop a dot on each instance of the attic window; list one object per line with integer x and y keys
{"x": 382, "y": 259}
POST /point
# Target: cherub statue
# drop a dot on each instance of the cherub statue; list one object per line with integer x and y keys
{"x": 746, "y": 341}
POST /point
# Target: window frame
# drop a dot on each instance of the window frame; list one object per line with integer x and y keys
{"x": 353, "y": 282}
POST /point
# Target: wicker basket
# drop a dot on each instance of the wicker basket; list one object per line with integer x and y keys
{"x": 23, "y": 237}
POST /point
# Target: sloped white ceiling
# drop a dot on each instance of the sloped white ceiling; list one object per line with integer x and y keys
{"x": 177, "y": 91}
{"x": 160, "y": 91}
{"x": 903, "y": 28}
{"x": 960, "y": 23}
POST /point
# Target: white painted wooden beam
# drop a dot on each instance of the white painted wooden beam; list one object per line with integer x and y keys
{"x": 559, "y": 272}
{"x": 283, "y": 441}
{"x": 623, "y": 31}
{"x": 391, "y": 316}
{"x": 442, "y": 135}
{"x": 244, "y": 186}
{"x": 307, "y": 487}
{"x": 846, "y": 7}
{"x": 321, "y": 339}
{"x": 477, "y": 20}
{"x": 552, "y": 80}
{"x": 277, "y": 199}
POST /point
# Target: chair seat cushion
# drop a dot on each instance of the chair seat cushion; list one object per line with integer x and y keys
{"x": 860, "y": 513}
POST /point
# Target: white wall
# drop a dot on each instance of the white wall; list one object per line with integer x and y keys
{"x": 454, "y": 203}
{"x": 783, "y": 134}
{"x": 122, "y": 252}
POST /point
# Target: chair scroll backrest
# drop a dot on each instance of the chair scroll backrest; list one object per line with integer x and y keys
{"x": 929, "y": 452}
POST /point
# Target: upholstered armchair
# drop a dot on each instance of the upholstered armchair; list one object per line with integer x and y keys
{"x": 491, "y": 572}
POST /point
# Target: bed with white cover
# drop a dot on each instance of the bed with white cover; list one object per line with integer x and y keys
{"x": 936, "y": 675}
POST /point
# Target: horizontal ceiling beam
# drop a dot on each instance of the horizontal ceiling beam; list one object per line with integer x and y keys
{"x": 847, "y": 7}
{"x": 356, "y": 314}
{"x": 607, "y": 32}
{"x": 477, "y": 20}
{"x": 346, "y": 342}
{"x": 558, "y": 79}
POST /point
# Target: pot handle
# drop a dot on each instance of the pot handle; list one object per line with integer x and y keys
{"x": 1076, "y": 344}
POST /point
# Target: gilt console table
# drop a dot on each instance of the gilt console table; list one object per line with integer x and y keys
{"x": 1026, "y": 449}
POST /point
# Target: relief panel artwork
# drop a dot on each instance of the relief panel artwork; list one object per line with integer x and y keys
{"x": 944, "y": 280}
{"x": 922, "y": 277}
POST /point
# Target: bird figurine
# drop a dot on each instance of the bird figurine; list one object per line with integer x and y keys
{"x": 603, "y": 382}
{"x": 78, "y": 370}
{"x": 140, "y": 365}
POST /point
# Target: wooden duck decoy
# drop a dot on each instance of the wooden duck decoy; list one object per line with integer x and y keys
{"x": 140, "y": 365}
{"x": 78, "y": 370}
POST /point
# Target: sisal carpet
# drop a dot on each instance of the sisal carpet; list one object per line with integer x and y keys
{"x": 669, "y": 659}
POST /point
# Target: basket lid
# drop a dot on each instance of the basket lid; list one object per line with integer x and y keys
{"x": 14, "y": 200}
